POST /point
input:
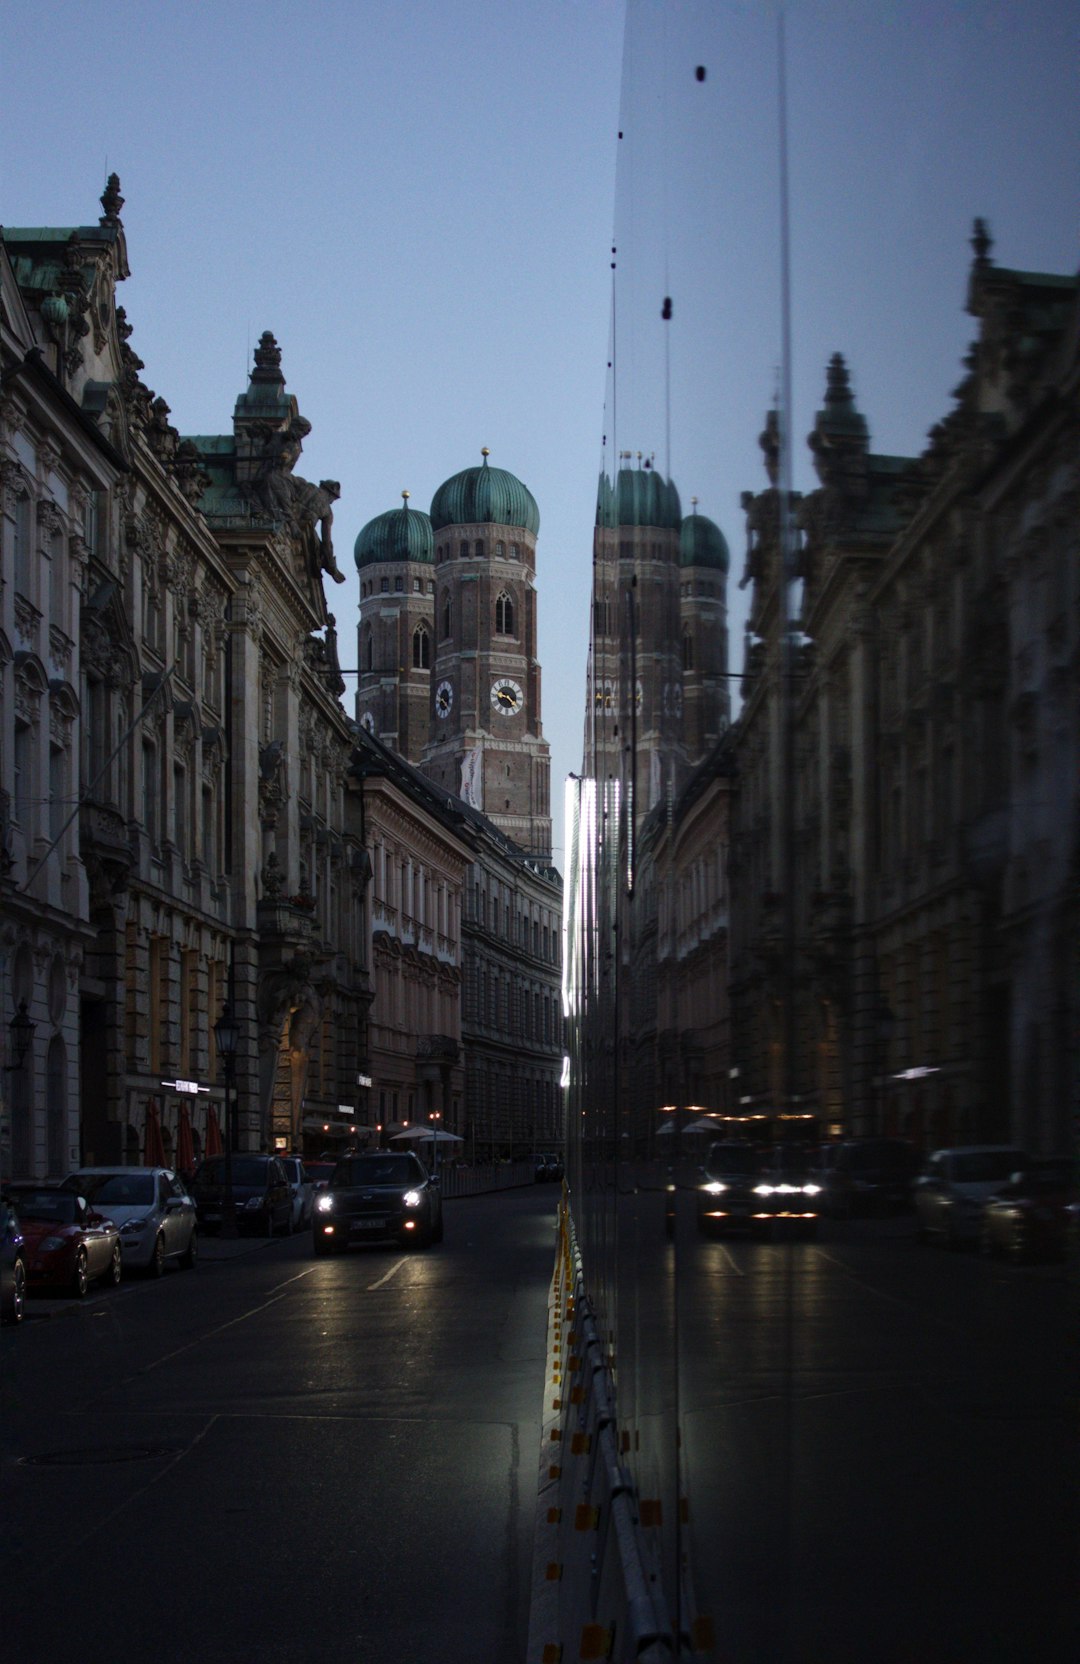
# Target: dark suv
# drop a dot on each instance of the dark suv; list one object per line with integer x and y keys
{"x": 380, "y": 1195}
{"x": 261, "y": 1194}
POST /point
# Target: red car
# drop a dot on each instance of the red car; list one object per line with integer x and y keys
{"x": 66, "y": 1245}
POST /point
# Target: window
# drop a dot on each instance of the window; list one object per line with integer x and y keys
{"x": 21, "y": 550}
{"x": 464, "y": 550}
{"x": 384, "y": 586}
{"x": 447, "y": 618}
{"x": 421, "y": 648}
{"x": 504, "y": 615}
{"x": 515, "y": 552}
{"x": 688, "y": 651}
{"x": 399, "y": 585}
{"x": 22, "y": 760}
{"x": 369, "y": 649}
{"x": 500, "y": 550}
{"x": 480, "y": 550}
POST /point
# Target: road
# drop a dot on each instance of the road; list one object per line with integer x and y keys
{"x": 276, "y": 1458}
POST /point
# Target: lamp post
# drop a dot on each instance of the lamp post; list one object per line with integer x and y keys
{"x": 227, "y": 1038}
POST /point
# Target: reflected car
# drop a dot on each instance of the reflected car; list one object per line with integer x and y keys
{"x": 302, "y": 1190}
{"x": 377, "y": 1197}
{"x": 12, "y": 1264}
{"x": 955, "y": 1183}
{"x": 549, "y": 1166}
{"x": 152, "y": 1209}
{"x": 261, "y": 1195}
{"x": 871, "y": 1175}
{"x": 1029, "y": 1218}
{"x": 786, "y": 1193}
{"x": 726, "y": 1199}
{"x": 68, "y": 1245}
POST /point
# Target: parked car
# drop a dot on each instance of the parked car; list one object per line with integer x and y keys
{"x": 320, "y": 1174}
{"x": 12, "y": 1264}
{"x": 549, "y": 1166}
{"x": 302, "y": 1190}
{"x": 950, "y": 1192}
{"x": 68, "y": 1245}
{"x": 261, "y": 1195}
{"x": 871, "y": 1175}
{"x": 787, "y": 1194}
{"x": 375, "y": 1197}
{"x": 1029, "y": 1218}
{"x": 152, "y": 1208}
{"x": 726, "y": 1199}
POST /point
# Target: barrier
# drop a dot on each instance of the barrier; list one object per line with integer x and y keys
{"x": 594, "y": 1593}
{"x": 475, "y": 1181}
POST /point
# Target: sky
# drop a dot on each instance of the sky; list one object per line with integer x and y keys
{"x": 420, "y": 199}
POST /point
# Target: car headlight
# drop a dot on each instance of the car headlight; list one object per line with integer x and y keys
{"x": 411, "y": 1198}
{"x": 133, "y": 1227}
{"x": 324, "y": 1203}
{"x": 811, "y": 1190}
{"x": 763, "y": 1190}
{"x": 254, "y": 1202}
{"x": 715, "y": 1188}
{"x": 51, "y": 1243}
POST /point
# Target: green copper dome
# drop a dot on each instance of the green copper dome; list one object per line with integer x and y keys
{"x": 702, "y": 543}
{"x": 639, "y": 497}
{"x": 482, "y": 496}
{"x": 399, "y": 534}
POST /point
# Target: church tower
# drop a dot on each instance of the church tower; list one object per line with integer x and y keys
{"x": 486, "y": 739}
{"x": 396, "y": 635}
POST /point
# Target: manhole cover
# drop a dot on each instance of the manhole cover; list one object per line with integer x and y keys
{"x": 108, "y": 1453}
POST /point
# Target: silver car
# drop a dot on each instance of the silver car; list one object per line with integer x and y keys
{"x": 152, "y": 1210}
{"x": 950, "y": 1192}
{"x": 302, "y": 1190}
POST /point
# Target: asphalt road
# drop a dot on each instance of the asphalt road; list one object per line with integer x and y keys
{"x": 274, "y": 1457}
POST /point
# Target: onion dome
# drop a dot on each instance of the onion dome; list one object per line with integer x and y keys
{"x": 399, "y": 534}
{"x": 484, "y": 495}
{"x": 638, "y": 497}
{"x": 702, "y": 543}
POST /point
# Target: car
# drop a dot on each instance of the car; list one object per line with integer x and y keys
{"x": 1029, "y": 1218}
{"x": 382, "y": 1195}
{"x": 152, "y": 1208}
{"x": 787, "y": 1194}
{"x": 950, "y": 1192}
{"x": 12, "y": 1264}
{"x": 261, "y": 1196}
{"x": 68, "y": 1244}
{"x": 725, "y": 1196}
{"x": 302, "y": 1190}
{"x": 871, "y": 1175}
{"x": 320, "y": 1173}
{"x": 548, "y": 1166}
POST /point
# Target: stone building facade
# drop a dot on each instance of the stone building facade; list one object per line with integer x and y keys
{"x": 165, "y": 622}
{"x": 931, "y": 952}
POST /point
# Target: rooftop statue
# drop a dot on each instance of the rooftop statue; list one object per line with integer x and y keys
{"x": 298, "y": 502}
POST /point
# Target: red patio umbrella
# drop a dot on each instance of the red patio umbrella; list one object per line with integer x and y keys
{"x": 214, "y": 1143}
{"x": 154, "y": 1146}
{"x": 185, "y": 1143}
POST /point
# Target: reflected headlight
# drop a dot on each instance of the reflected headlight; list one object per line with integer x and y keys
{"x": 411, "y": 1198}
{"x": 811, "y": 1190}
{"x": 763, "y": 1190}
{"x": 715, "y": 1188}
{"x": 324, "y": 1203}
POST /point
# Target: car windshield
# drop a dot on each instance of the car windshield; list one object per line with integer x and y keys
{"x": 979, "y": 1165}
{"x": 794, "y": 1163}
{"x": 121, "y": 1189}
{"x": 732, "y": 1158}
{"x": 46, "y": 1204}
{"x": 245, "y": 1170}
{"x": 377, "y": 1170}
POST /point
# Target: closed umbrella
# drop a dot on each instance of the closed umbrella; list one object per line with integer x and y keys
{"x": 215, "y": 1145}
{"x": 185, "y": 1143}
{"x": 154, "y": 1147}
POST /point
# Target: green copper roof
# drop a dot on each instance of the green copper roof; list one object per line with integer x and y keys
{"x": 400, "y": 534}
{"x": 702, "y": 543}
{"x": 638, "y": 497}
{"x": 481, "y": 496}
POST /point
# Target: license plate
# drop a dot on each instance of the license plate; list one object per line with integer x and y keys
{"x": 369, "y": 1224}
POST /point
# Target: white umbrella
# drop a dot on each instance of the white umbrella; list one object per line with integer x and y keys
{"x": 424, "y": 1135}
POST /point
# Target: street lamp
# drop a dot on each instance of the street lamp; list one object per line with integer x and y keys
{"x": 227, "y": 1038}
{"x": 21, "y": 1028}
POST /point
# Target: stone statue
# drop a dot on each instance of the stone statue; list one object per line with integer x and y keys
{"x": 301, "y": 504}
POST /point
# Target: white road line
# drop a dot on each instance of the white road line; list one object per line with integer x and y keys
{"x": 389, "y": 1274}
{"x": 735, "y": 1266}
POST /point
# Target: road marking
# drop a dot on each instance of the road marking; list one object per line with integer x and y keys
{"x": 389, "y": 1274}
{"x": 734, "y": 1264}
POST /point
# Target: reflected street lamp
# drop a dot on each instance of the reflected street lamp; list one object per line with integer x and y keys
{"x": 227, "y": 1038}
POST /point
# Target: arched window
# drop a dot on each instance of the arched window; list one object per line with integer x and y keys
{"x": 500, "y": 550}
{"x": 421, "y": 648}
{"x": 447, "y": 618}
{"x": 369, "y": 649}
{"x": 464, "y": 550}
{"x": 688, "y": 651}
{"x": 504, "y": 615}
{"x": 480, "y": 551}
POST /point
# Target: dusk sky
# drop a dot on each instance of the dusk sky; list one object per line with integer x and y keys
{"x": 418, "y": 199}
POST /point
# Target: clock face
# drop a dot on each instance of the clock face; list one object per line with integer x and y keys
{"x": 368, "y": 721}
{"x": 444, "y": 699}
{"x": 506, "y": 696}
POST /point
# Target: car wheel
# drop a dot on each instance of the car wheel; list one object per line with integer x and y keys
{"x": 157, "y": 1262}
{"x": 80, "y": 1281}
{"x": 116, "y": 1269}
{"x": 16, "y": 1304}
{"x": 190, "y": 1256}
